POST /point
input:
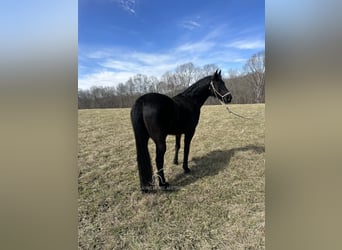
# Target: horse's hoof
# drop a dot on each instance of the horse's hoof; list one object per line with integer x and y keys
{"x": 187, "y": 170}
{"x": 164, "y": 185}
{"x": 146, "y": 189}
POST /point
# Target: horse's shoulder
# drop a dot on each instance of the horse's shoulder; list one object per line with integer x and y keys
{"x": 185, "y": 102}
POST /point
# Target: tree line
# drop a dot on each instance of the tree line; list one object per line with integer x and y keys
{"x": 247, "y": 86}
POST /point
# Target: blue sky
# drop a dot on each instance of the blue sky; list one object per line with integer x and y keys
{"x": 120, "y": 38}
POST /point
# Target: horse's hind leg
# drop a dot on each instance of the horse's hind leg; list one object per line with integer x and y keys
{"x": 161, "y": 149}
{"x": 177, "y": 147}
{"x": 187, "y": 140}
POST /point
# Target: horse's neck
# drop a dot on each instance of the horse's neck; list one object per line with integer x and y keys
{"x": 198, "y": 92}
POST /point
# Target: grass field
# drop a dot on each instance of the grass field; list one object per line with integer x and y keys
{"x": 220, "y": 205}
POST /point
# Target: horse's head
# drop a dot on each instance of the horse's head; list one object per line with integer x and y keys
{"x": 218, "y": 88}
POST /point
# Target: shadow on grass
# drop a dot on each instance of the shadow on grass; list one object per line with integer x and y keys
{"x": 209, "y": 165}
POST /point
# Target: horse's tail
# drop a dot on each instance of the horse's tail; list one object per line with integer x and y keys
{"x": 141, "y": 140}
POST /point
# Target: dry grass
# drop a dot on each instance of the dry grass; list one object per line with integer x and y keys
{"x": 220, "y": 205}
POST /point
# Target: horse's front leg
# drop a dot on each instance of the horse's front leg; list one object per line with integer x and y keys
{"x": 177, "y": 147}
{"x": 187, "y": 141}
{"x": 161, "y": 149}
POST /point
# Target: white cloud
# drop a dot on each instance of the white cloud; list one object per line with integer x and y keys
{"x": 103, "y": 78}
{"x": 151, "y": 59}
{"x": 191, "y": 24}
{"x": 247, "y": 44}
{"x": 127, "y": 5}
{"x": 98, "y": 54}
{"x": 195, "y": 47}
{"x": 139, "y": 62}
{"x": 112, "y": 65}
{"x": 119, "y": 67}
{"x": 112, "y": 70}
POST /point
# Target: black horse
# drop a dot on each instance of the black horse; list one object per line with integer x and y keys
{"x": 155, "y": 116}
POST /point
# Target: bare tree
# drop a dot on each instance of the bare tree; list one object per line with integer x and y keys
{"x": 242, "y": 89}
{"x": 233, "y": 73}
{"x": 255, "y": 71}
{"x": 161, "y": 87}
{"x": 140, "y": 83}
{"x": 170, "y": 83}
{"x": 185, "y": 74}
{"x": 84, "y": 99}
{"x": 246, "y": 88}
{"x": 207, "y": 69}
{"x": 123, "y": 93}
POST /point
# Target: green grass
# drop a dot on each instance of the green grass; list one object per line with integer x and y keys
{"x": 220, "y": 205}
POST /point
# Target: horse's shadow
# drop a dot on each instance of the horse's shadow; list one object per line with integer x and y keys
{"x": 209, "y": 165}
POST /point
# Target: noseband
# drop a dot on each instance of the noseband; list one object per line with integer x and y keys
{"x": 216, "y": 93}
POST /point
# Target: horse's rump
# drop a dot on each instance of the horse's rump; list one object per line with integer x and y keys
{"x": 159, "y": 113}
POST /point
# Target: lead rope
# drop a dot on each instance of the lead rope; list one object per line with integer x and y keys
{"x": 156, "y": 177}
{"x": 224, "y": 104}
{"x": 229, "y": 111}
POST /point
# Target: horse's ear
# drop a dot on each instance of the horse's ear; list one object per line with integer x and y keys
{"x": 214, "y": 75}
{"x": 217, "y": 74}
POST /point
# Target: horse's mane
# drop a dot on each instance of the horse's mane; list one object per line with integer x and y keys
{"x": 196, "y": 87}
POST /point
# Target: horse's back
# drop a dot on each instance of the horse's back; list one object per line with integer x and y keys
{"x": 156, "y": 98}
{"x": 155, "y": 102}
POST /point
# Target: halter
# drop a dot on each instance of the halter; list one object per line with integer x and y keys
{"x": 216, "y": 93}
{"x": 221, "y": 101}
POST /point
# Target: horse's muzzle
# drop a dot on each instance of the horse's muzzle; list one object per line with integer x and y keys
{"x": 227, "y": 98}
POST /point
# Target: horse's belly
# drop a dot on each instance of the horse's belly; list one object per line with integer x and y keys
{"x": 178, "y": 128}
{"x": 174, "y": 130}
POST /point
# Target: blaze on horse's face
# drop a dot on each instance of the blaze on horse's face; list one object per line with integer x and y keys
{"x": 218, "y": 88}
